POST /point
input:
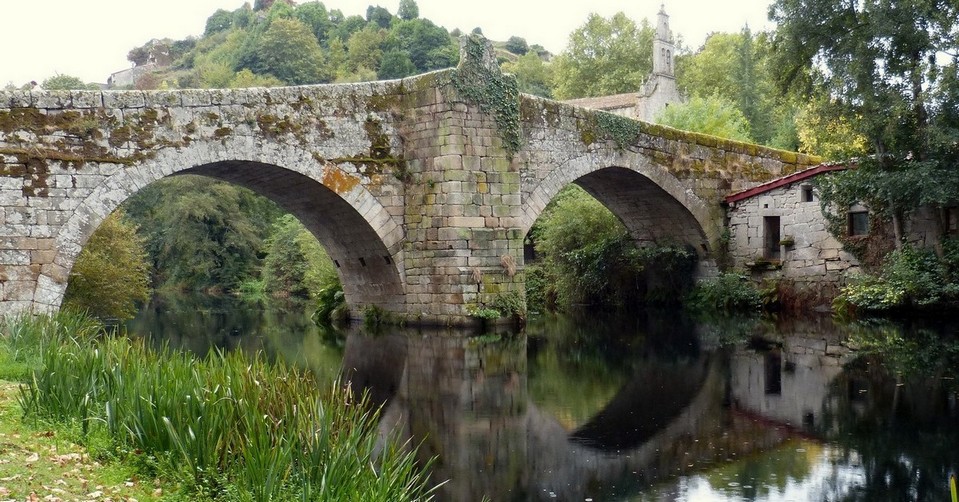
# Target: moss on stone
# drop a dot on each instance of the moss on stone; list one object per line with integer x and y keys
{"x": 495, "y": 93}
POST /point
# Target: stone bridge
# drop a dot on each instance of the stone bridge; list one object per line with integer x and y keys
{"x": 422, "y": 189}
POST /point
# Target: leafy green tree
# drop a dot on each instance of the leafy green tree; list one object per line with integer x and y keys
{"x": 295, "y": 263}
{"x": 517, "y": 45}
{"x": 532, "y": 74}
{"x": 216, "y": 57}
{"x": 364, "y": 48}
{"x": 112, "y": 273}
{"x": 408, "y": 10}
{"x": 589, "y": 254}
{"x": 379, "y": 16}
{"x": 221, "y": 20}
{"x": 710, "y": 70}
{"x": 395, "y": 64}
{"x": 336, "y": 56}
{"x": 429, "y": 46}
{"x": 823, "y": 130}
{"x": 735, "y": 66}
{"x": 243, "y": 16}
{"x": 888, "y": 68}
{"x": 246, "y": 78}
{"x": 604, "y": 56}
{"x": 66, "y": 82}
{"x": 288, "y": 50}
{"x": 714, "y": 115}
{"x": 346, "y": 27}
{"x": 315, "y": 15}
{"x": 202, "y": 235}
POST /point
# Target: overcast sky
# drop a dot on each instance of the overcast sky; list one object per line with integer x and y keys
{"x": 90, "y": 38}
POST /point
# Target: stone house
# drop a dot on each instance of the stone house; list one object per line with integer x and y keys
{"x": 778, "y": 227}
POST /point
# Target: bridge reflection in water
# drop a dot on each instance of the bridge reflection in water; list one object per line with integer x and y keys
{"x": 658, "y": 408}
{"x": 680, "y": 408}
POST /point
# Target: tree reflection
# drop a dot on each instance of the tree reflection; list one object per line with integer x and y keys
{"x": 897, "y": 412}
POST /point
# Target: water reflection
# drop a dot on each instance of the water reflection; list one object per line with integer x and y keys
{"x": 201, "y": 323}
{"x": 650, "y": 408}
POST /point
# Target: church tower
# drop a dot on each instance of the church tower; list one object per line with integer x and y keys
{"x": 660, "y": 89}
{"x": 663, "y": 48}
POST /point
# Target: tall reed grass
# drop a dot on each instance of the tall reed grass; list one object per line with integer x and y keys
{"x": 232, "y": 426}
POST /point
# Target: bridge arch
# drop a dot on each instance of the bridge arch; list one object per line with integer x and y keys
{"x": 352, "y": 224}
{"x": 652, "y": 203}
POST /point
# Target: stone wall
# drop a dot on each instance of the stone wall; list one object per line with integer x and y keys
{"x": 808, "y": 253}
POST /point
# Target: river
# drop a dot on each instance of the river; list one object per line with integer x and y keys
{"x": 654, "y": 407}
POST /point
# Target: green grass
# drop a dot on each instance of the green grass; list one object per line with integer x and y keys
{"x": 225, "y": 427}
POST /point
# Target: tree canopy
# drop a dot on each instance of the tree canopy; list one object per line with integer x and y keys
{"x": 888, "y": 70}
{"x": 603, "y": 57}
{"x": 714, "y": 115}
{"x": 112, "y": 273}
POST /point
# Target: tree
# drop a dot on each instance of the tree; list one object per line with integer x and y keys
{"x": 604, "y": 56}
{"x": 408, "y": 10}
{"x": 221, "y": 20}
{"x": 246, "y": 78}
{"x": 735, "y": 67}
{"x": 288, "y": 51}
{"x": 66, "y": 82}
{"x": 429, "y": 46}
{"x": 295, "y": 263}
{"x": 315, "y": 15}
{"x": 379, "y": 16}
{"x": 395, "y": 64}
{"x": 532, "y": 75}
{"x": 202, "y": 235}
{"x": 517, "y": 45}
{"x": 345, "y": 28}
{"x": 588, "y": 255}
{"x": 364, "y": 48}
{"x": 887, "y": 68}
{"x": 713, "y": 115}
{"x": 112, "y": 273}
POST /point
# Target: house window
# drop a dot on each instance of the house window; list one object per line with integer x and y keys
{"x": 858, "y": 223}
{"x": 806, "y": 191}
{"x": 771, "y": 237}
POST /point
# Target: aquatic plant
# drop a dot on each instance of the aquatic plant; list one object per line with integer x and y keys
{"x": 228, "y": 426}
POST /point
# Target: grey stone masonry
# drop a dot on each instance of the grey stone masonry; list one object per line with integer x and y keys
{"x": 420, "y": 190}
{"x": 808, "y": 252}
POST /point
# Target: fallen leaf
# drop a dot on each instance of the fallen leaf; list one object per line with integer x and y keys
{"x": 33, "y": 458}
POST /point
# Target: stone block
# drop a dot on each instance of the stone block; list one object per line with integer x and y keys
{"x": 86, "y": 99}
{"x": 123, "y": 99}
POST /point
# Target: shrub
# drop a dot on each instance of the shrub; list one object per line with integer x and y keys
{"x": 729, "y": 292}
{"x": 908, "y": 277}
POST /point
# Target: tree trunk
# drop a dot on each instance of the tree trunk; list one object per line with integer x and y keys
{"x": 897, "y": 228}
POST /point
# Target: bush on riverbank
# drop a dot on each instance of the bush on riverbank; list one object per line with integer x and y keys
{"x": 909, "y": 278}
{"x": 228, "y": 426}
{"x": 728, "y": 292}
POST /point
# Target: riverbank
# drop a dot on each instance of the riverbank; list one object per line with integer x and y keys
{"x": 40, "y": 461}
{"x": 224, "y": 426}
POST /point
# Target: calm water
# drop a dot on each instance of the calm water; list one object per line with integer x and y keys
{"x": 658, "y": 407}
